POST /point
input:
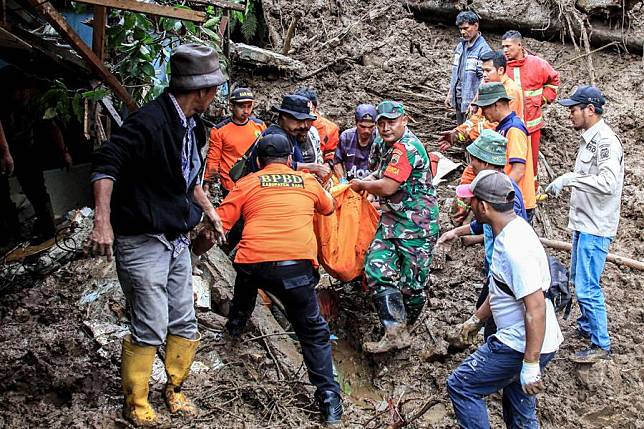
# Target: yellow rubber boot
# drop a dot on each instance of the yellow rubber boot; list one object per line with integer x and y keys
{"x": 136, "y": 368}
{"x": 179, "y": 354}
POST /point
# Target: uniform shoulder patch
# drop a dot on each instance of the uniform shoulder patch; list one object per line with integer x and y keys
{"x": 604, "y": 152}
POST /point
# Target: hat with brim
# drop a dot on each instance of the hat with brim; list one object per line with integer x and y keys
{"x": 490, "y": 93}
{"x": 296, "y": 106}
{"x": 489, "y": 147}
{"x": 390, "y": 109}
{"x": 194, "y": 67}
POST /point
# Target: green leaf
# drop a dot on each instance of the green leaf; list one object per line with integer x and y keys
{"x": 210, "y": 34}
{"x": 144, "y": 50}
{"x": 212, "y": 22}
{"x": 249, "y": 27}
{"x": 77, "y": 107}
{"x": 168, "y": 23}
{"x": 190, "y": 26}
{"x": 95, "y": 95}
{"x": 50, "y": 113}
{"x": 148, "y": 69}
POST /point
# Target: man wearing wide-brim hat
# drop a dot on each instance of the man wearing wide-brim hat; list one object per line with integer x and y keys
{"x": 293, "y": 121}
{"x": 146, "y": 182}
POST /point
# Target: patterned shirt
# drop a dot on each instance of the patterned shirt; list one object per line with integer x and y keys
{"x": 189, "y": 169}
{"x": 412, "y": 211}
{"x": 353, "y": 157}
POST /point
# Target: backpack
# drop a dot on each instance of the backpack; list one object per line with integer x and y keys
{"x": 240, "y": 167}
{"x": 558, "y": 292}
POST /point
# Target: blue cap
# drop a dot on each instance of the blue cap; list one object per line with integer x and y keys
{"x": 586, "y": 94}
{"x": 274, "y": 145}
{"x": 366, "y": 112}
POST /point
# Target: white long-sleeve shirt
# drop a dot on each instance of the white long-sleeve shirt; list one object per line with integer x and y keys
{"x": 597, "y": 188}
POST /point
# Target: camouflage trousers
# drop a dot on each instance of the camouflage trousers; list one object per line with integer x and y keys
{"x": 402, "y": 264}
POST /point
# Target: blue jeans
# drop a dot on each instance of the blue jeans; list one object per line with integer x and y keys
{"x": 586, "y": 266}
{"x": 494, "y": 366}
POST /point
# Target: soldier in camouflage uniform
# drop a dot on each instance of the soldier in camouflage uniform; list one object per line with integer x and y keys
{"x": 397, "y": 265}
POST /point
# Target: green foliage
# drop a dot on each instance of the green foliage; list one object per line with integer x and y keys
{"x": 59, "y": 102}
{"x": 247, "y": 21}
{"x": 138, "y": 46}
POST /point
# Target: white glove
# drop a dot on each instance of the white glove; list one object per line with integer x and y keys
{"x": 531, "y": 378}
{"x": 558, "y": 184}
{"x": 469, "y": 329}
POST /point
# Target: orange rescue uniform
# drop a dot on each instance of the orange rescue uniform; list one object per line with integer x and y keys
{"x": 277, "y": 205}
{"x": 540, "y": 83}
{"x": 518, "y": 150}
{"x": 473, "y": 126}
{"x": 228, "y": 142}
{"x": 329, "y": 136}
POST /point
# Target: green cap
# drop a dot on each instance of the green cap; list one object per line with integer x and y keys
{"x": 489, "y": 147}
{"x": 390, "y": 109}
{"x": 490, "y": 93}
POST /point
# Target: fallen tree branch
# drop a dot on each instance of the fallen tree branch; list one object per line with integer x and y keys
{"x": 259, "y": 337}
{"x": 289, "y": 34}
{"x": 565, "y": 246}
{"x": 616, "y": 259}
{"x": 493, "y": 21}
{"x": 405, "y": 422}
{"x": 585, "y": 54}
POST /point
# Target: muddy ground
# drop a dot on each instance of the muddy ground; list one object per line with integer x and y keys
{"x": 60, "y": 335}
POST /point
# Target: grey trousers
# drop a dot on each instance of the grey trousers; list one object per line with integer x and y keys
{"x": 158, "y": 288}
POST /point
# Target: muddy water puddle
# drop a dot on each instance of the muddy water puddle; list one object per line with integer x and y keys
{"x": 354, "y": 373}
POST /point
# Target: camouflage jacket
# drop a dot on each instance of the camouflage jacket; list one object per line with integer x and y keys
{"x": 411, "y": 212}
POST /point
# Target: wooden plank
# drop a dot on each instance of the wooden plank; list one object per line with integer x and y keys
{"x": 222, "y": 4}
{"x": 150, "y": 9}
{"x": 98, "y": 31}
{"x": 10, "y": 40}
{"x": 3, "y": 13}
{"x": 57, "y": 21}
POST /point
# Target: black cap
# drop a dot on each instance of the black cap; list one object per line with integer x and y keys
{"x": 296, "y": 106}
{"x": 586, "y": 94}
{"x": 274, "y": 146}
{"x": 240, "y": 95}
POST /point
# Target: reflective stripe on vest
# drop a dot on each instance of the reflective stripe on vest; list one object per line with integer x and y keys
{"x": 534, "y": 122}
{"x": 555, "y": 87}
{"x": 517, "y": 76}
{"x": 534, "y": 93}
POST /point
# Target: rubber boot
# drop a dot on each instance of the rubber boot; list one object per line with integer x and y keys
{"x": 394, "y": 319}
{"x": 179, "y": 355}
{"x": 136, "y": 368}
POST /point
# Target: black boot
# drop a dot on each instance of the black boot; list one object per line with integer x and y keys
{"x": 393, "y": 317}
{"x": 331, "y": 407}
{"x": 44, "y": 227}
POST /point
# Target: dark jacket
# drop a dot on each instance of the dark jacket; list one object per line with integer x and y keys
{"x": 144, "y": 157}
{"x": 466, "y": 68}
{"x": 253, "y": 164}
